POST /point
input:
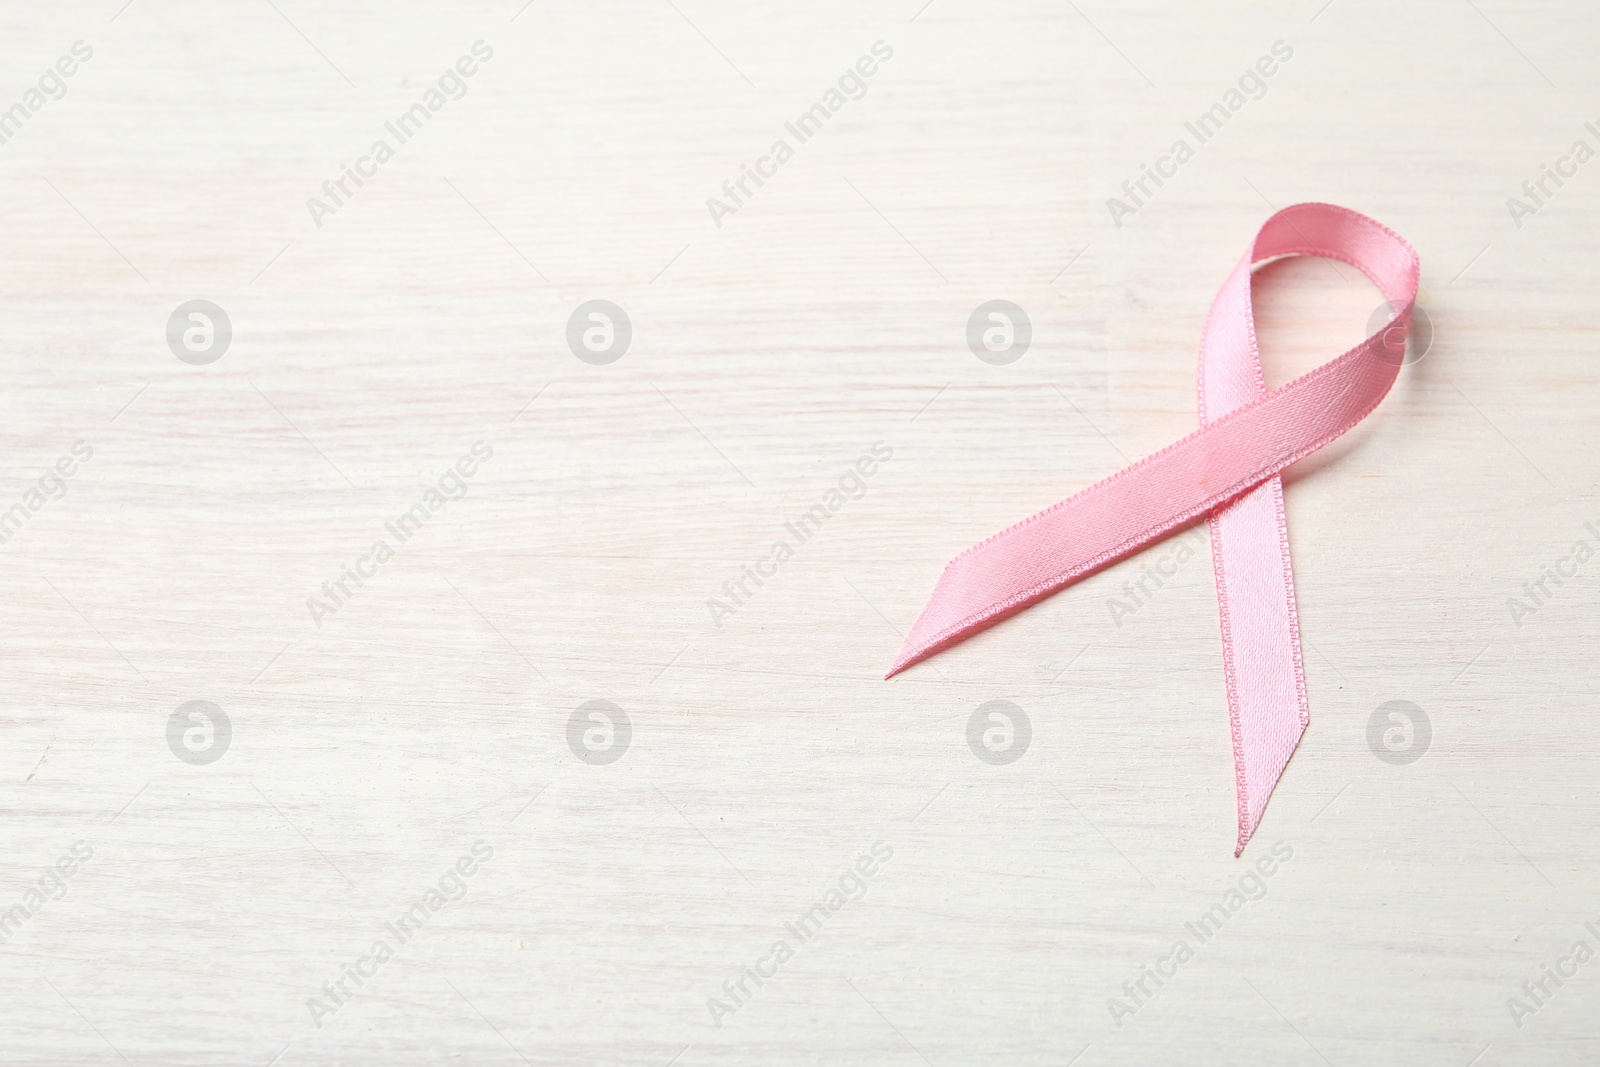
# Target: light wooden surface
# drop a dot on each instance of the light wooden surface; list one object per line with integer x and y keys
{"x": 430, "y": 711}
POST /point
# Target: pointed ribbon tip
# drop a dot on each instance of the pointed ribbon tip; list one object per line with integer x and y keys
{"x": 1227, "y": 473}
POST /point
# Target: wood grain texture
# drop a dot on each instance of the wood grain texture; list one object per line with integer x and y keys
{"x": 372, "y": 748}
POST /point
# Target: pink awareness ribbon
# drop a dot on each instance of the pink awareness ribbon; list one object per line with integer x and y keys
{"x": 1227, "y": 470}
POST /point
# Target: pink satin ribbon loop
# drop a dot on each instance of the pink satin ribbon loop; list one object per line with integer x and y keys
{"x": 1227, "y": 470}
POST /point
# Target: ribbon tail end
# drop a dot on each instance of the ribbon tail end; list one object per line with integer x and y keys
{"x": 1251, "y": 811}
{"x": 926, "y": 636}
{"x": 925, "y": 641}
{"x": 910, "y": 653}
{"x": 1245, "y": 833}
{"x": 1258, "y": 771}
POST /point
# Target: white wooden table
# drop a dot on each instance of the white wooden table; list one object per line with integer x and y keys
{"x": 213, "y": 892}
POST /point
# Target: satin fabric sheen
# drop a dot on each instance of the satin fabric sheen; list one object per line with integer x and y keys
{"x": 1227, "y": 472}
